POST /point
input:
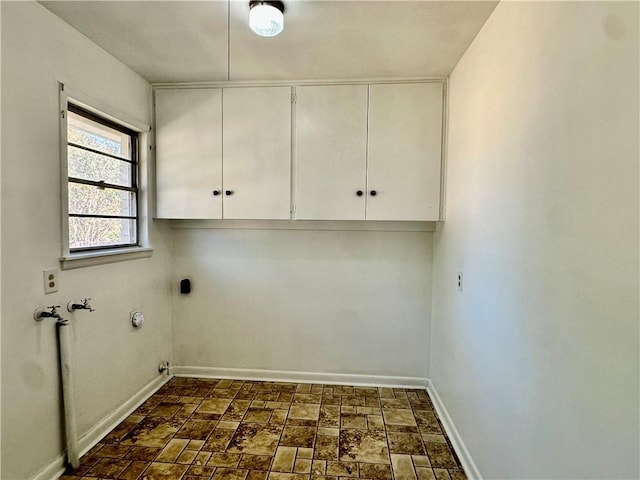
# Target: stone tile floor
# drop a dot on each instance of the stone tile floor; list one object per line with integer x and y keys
{"x": 199, "y": 429}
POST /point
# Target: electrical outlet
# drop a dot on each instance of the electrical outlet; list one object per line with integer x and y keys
{"x": 459, "y": 278}
{"x": 50, "y": 280}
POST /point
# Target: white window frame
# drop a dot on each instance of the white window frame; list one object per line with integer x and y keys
{"x": 68, "y": 259}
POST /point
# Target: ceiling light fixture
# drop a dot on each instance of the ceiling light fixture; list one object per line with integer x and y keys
{"x": 266, "y": 17}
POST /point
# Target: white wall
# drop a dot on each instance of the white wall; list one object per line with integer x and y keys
{"x": 537, "y": 359}
{"x": 306, "y": 301}
{"x": 112, "y": 361}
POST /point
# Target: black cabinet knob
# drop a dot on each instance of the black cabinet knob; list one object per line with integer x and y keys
{"x": 359, "y": 193}
{"x": 216, "y": 192}
{"x": 373, "y": 193}
{"x": 228, "y": 192}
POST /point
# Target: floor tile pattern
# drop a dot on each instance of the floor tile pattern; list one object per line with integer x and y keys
{"x": 206, "y": 429}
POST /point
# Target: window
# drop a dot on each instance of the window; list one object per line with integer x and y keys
{"x": 102, "y": 166}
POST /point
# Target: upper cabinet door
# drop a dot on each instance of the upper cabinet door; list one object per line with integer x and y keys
{"x": 257, "y": 152}
{"x": 405, "y": 151}
{"x": 188, "y": 153}
{"x": 331, "y": 148}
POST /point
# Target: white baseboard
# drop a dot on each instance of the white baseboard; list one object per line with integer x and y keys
{"x": 108, "y": 423}
{"x": 468, "y": 464}
{"x": 88, "y": 440}
{"x": 51, "y": 471}
{"x": 300, "y": 377}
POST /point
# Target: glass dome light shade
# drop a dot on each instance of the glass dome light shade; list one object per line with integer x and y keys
{"x": 265, "y": 19}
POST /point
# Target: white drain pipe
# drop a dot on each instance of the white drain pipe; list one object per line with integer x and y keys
{"x": 64, "y": 349}
{"x": 70, "y": 426}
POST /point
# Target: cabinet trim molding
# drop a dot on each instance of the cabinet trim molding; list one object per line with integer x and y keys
{"x": 337, "y": 225}
{"x": 297, "y": 83}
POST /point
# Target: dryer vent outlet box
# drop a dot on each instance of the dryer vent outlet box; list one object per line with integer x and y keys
{"x": 185, "y": 286}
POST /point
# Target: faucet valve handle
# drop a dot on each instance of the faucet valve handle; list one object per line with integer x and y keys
{"x": 86, "y": 304}
{"x": 71, "y": 306}
{"x": 48, "y": 312}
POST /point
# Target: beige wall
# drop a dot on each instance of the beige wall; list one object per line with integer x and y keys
{"x": 38, "y": 50}
{"x": 537, "y": 359}
{"x": 341, "y": 302}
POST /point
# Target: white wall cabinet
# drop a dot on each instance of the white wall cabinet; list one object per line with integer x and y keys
{"x": 331, "y": 152}
{"x": 362, "y": 152}
{"x": 188, "y": 153}
{"x": 404, "y": 151}
{"x": 252, "y": 180}
{"x": 369, "y": 152}
{"x": 257, "y": 152}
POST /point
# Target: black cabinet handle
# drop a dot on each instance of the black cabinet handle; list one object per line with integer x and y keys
{"x": 228, "y": 192}
{"x": 216, "y": 192}
{"x": 373, "y": 193}
{"x": 359, "y": 193}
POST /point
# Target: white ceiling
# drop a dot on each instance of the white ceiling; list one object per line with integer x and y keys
{"x": 191, "y": 41}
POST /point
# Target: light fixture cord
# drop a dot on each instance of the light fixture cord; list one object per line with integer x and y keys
{"x": 228, "y": 40}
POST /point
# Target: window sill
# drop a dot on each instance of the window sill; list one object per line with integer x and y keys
{"x": 89, "y": 259}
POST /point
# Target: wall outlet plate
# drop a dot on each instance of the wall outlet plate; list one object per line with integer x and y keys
{"x": 460, "y": 280}
{"x": 50, "y": 280}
